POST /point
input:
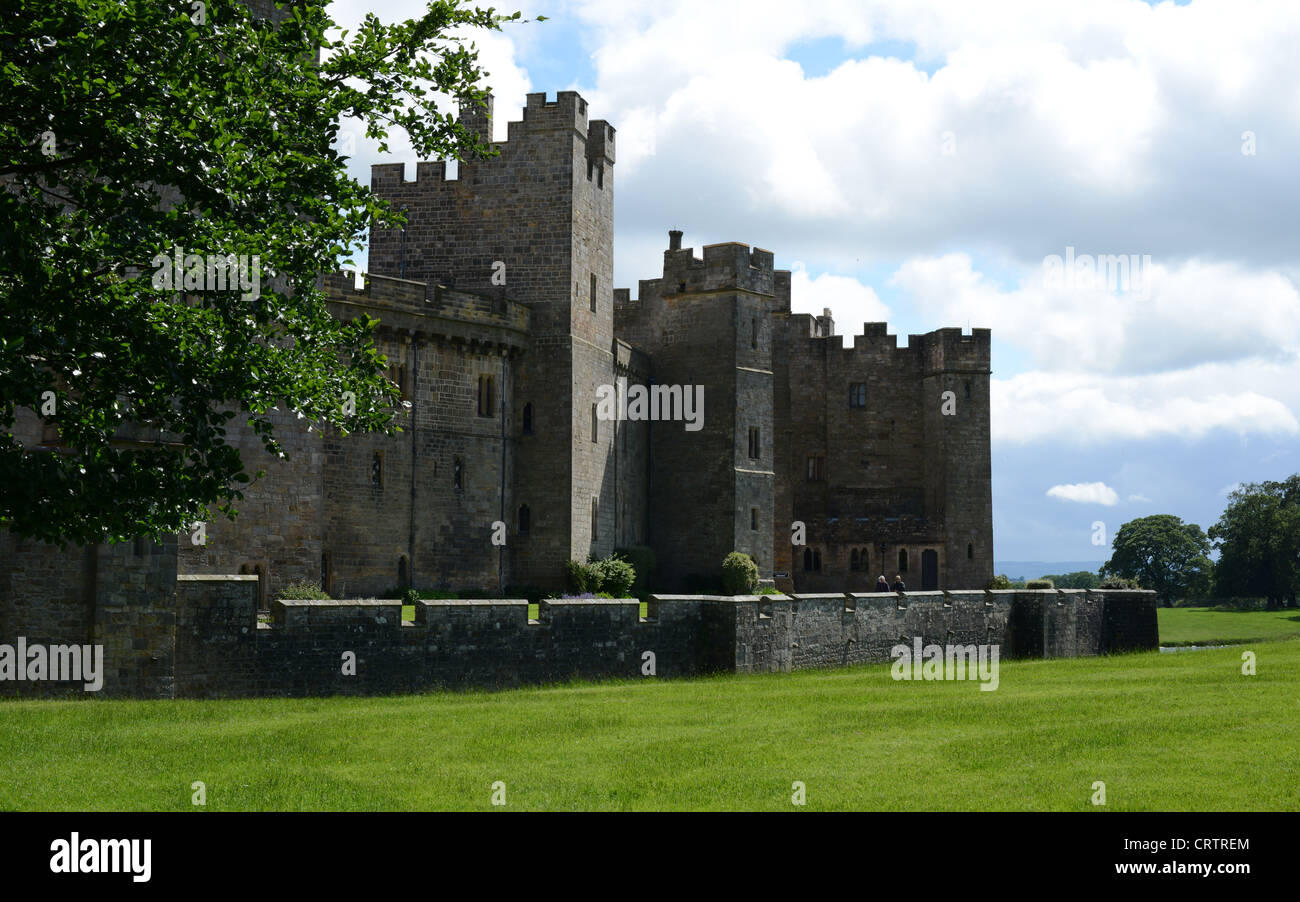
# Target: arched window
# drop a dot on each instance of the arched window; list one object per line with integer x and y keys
{"x": 528, "y": 418}
{"x": 902, "y": 561}
{"x": 525, "y": 519}
{"x": 807, "y": 559}
{"x": 970, "y": 552}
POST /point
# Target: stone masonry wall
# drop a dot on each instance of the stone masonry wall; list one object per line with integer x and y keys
{"x": 222, "y": 651}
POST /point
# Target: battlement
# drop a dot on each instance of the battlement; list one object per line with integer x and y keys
{"x": 943, "y": 349}
{"x": 437, "y": 309}
{"x": 951, "y": 349}
{"x": 567, "y": 113}
{"x": 729, "y": 266}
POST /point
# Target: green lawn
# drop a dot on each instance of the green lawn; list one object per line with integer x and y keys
{"x": 1206, "y": 626}
{"x": 1163, "y": 731}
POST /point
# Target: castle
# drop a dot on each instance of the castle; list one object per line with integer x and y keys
{"x": 504, "y": 334}
{"x": 502, "y": 327}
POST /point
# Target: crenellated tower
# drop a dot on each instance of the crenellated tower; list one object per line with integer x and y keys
{"x": 539, "y": 216}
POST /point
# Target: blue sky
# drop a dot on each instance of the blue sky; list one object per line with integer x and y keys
{"x": 918, "y": 161}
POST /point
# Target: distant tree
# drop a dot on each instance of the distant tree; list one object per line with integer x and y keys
{"x": 1079, "y": 579}
{"x": 136, "y": 131}
{"x": 1164, "y": 554}
{"x": 1258, "y": 539}
{"x": 999, "y": 582}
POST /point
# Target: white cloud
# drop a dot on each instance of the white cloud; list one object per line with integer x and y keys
{"x": 1188, "y": 404}
{"x": 1139, "y": 497}
{"x": 1087, "y": 123}
{"x": 851, "y": 302}
{"x": 1085, "y": 493}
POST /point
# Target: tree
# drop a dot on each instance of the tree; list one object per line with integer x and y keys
{"x": 1258, "y": 539}
{"x": 1162, "y": 553}
{"x": 134, "y": 132}
{"x": 1079, "y": 579}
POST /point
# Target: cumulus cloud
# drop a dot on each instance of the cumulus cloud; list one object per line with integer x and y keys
{"x": 1088, "y": 123}
{"x": 1085, "y": 493}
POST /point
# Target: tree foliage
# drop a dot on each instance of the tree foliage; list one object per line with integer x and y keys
{"x": 1258, "y": 539}
{"x": 132, "y": 130}
{"x": 1162, "y": 553}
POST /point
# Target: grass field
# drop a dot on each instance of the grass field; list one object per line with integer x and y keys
{"x": 1206, "y": 626}
{"x": 1163, "y": 731}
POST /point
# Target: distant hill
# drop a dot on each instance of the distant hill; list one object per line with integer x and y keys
{"x": 1037, "y": 569}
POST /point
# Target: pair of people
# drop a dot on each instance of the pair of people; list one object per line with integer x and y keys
{"x": 882, "y": 586}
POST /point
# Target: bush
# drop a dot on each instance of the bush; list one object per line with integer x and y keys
{"x": 999, "y": 582}
{"x": 739, "y": 574}
{"x": 616, "y": 576}
{"x": 1040, "y": 584}
{"x": 642, "y": 559}
{"x": 581, "y": 578}
{"x": 1119, "y": 582}
{"x": 302, "y": 591}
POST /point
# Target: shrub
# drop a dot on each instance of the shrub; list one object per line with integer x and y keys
{"x": 739, "y": 574}
{"x": 1040, "y": 584}
{"x": 302, "y": 591}
{"x": 1119, "y": 582}
{"x": 582, "y": 578}
{"x": 642, "y": 559}
{"x": 616, "y": 576}
{"x": 999, "y": 582}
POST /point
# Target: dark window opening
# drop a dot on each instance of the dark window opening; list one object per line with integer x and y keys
{"x": 525, "y": 519}
{"x": 595, "y": 430}
{"x": 754, "y": 443}
{"x": 816, "y": 468}
{"x": 377, "y": 470}
{"x": 593, "y": 292}
{"x": 456, "y": 481}
{"x": 528, "y": 419}
{"x": 403, "y": 577}
{"x": 858, "y": 394}
{"x": 968, "y": 391}
{"x": 753, "y": 518}
{"x": 854, "y": 562}
{"x": 753, "y": 336}
{"x": 486, "y": 395}
{"x": 902, "y": 561}
{"x": 595, "y": 520}
{"x": 970, "y": 552}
